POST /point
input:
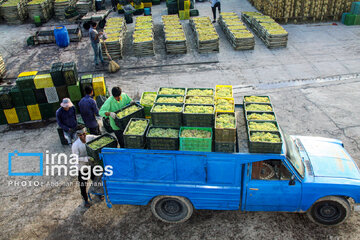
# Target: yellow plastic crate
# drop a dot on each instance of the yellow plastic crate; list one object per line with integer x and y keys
{"x": 140, "y": 6}
{"x": 34, "y": 112}
{"x": 43, "y": 81}
{"x": 99, "y": 86}
{"x": 26, "y": 74}
{"x": 187, "y": 5}
{"x": 184, "y": 14}
{"x": 223, "y": 86}
{"x": 11, "y": 116}
{"x": 229, "y": 111}
{"x": 148, "y": 5}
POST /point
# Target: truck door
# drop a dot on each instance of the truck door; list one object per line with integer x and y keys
{"x": 270, "y": 188}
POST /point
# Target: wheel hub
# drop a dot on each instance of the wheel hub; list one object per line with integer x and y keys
{"x": 328, "y": 211}
{"x": 171, "y": 207}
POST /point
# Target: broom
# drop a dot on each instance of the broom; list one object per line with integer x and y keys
{"x": 113, "y": 66}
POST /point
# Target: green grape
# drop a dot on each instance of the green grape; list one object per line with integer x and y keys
{"x": 259, "y": 107}
{"x": 101, "y": 142}
{"x": 264, "y": 137}
{"x": 163, "y": 133}
{"x": 137, "y": 127}
{"x": 265, "y": 126}
{"x": 224, "y": 92}
{"x": 170, "y": 100}
{"x": 223, "y": 104}
{"x": 171, "y": 91}
{"x": 257, "y": 99}
{"x": 127, "y": 111}
{"x": 148, "y": 99}
{"x": 167, "y": 108}
{"x": 200, "y": 92}
{"x": 225, "y": 121}
{"x": 200, "y": 100}
{"x": 195, "y": 133}
{"x": 257, "y": 116}
{"x": 199, "y": 109}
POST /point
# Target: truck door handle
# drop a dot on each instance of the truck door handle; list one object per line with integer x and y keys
{"x": 254, "y": 189}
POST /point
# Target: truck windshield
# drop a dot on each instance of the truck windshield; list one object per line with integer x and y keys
{"x": 292, "y": 153}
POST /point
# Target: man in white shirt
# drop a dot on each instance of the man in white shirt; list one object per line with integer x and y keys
{"x": 79, "y": 148}
{"x": 215, "y": 4}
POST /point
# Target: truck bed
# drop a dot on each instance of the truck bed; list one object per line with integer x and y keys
{"x": 242, "y": 136}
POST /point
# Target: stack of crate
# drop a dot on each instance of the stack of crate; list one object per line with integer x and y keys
{"x": 115, "y": 29}
{"x": 175, "y": 40}
{"x": 41, "y": 8}
{"x": 14, "y": 11}
{"x": 184, "y": 9}
{"x": 352, "y": 17}
{"x": 206, "y": 37}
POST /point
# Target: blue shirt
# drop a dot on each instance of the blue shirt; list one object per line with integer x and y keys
{"x": 66, "y": 119}
{"x": 213, "y": 2}
{"x": 88, "y": 110}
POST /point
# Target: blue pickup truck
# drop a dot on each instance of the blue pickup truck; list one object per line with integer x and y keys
{"x": 312, "y": 175}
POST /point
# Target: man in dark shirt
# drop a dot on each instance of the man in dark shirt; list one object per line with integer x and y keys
{"x": 89, "y": 111}
{"x": 95, "y": 43}
{"x": 66, "y": 119}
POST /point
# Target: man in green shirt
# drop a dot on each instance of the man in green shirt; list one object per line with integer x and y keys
{"x": 114, "y": 103}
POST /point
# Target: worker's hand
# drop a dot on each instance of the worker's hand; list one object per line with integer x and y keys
{"x": 113, "y": 115}
{"x": 107, "y": 114}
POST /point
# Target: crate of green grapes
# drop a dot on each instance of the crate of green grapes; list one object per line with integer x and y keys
{"x": 223, "y": 91}
{"x": 198, "y": 115}
{"x": 257, "y": 99}
{"x": 167, "y": 115}
{"x": 258, "y": 107}
{"x": 169, "y": 99}
{"x": 203, "y": 92}
{"x": 199, "y": 100}
{"x": 147, "y": 101}
{"x": 260, "y": 116}
{"x": 93, "y": 148}
{"x": 171, "y": 91}
{"x": 225, "y": 127}
{"x": 267, "y": 126}
{"x": 134, "y": 134}
{"x": 124, "y": 115}
{"x": 264, "y": 142}
{"x": 162, "y": 138}
{"x": 196, "y": 139}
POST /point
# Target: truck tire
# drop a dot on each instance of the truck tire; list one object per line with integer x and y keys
{"x": 171, "y": 209}
{"x": 329, "y": 211}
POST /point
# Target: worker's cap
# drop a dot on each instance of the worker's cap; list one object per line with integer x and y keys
{"x": 81, "y": 131}
{"x": 66, "y": 103}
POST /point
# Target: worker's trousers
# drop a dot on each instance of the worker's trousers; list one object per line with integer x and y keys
{"x": 120, "y": 137}
{"x": 97, "y": 52}
{"x": 217, "y": 5}
{"x": 83, "y": 183}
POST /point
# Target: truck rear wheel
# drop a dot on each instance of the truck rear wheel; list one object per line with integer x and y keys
{"x": 329, "y": 211}
{"x": 171, "y": 209}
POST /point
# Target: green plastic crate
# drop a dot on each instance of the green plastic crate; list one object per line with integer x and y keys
{"x": 198, "y": 119}
{"x": 55, "y": 107}
{"x": 22, "y": 114}
{"x": 5, "y": 98}
{"x": 85, "y": 81}
{"x": 46, "y": 110}
{"x": 25, "y": 82}
{"x": 171, "y": 94}
{"x": 194, "y": 12}
{"x": 70, "y": 73}
{"x": 226, "y": 147}
{"x": 40, "y": 95}
{"x": 196, "y": 144}
{"x": 162, "y": 143}
{"x": 94, "y": 153}
{"x": 350, "y": 19}
{"x": 264, "y": 147}
{"x": 28, "y": 96}
{"x": 56, "y": 74}
{"x": 167, "y": 119}
{"x": 17, "y": 97}
{"x": 123, "y": 122}
{"x": 225, "y": 134}
{"x": 62, "y": 92}
{"x": 357, "y": 20}
{"x": 2, "y": 117}
{"x": 74, "y": 92}
{"x": 147, "y": 108}
{"x": 135, "y": 141}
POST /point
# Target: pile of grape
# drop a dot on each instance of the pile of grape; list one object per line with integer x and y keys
{"x": 172, "y": 91}
{"x": 127, "y": 111}
{"x": 100, "y": 143}
{"x": 263, "y": 116}
{"x": 262, "y": 126}
{"x": 225, "y": 121}
{"x": 148, "y": 99}
{"x": 223, "y": 104}
{"x": 200, "y": 92}
{"x": 224, "y": 92}
{"x": 264, "y": 137}
{"x": 199, "y": 100}
{"x": 163, "y": 133}
{"x": 195, "y": 133}
{"x": 199, "y": 109}
{"x": 170, "y": 100}
{"x": 137, "y": 127}
{"x": 259, "y": 108}
{"x": 257, "y": 99}
{"x": 167, "y": 108}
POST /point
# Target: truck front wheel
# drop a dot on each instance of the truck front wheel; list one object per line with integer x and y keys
{"x": 171, "y": 209}
{"x": 329, "y": 211}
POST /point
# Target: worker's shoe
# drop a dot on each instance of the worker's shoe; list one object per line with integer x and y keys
{"x": 87, "y": 204}
{"x": 214, "y": 21}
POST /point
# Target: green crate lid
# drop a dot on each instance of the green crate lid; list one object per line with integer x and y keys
{"x": 22, "y": 114}
{"x": 87, "y": 76}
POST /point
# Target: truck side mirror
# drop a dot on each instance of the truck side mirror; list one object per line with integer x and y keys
{"x": 292, "y": 180}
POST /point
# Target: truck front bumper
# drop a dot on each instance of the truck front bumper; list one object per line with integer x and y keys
{"x": 357, "y": 207}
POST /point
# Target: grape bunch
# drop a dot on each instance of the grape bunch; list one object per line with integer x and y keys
{"x": 127, "y": 111}
{"x": 99, "y": 143}
{"x": 163, "y": 132}
{"x": 148, "y": 99}
{"x": 225, "y": 121}
{"x": 199, "y": 109}
{"x": 170, "y": 100}
{"x": 257, "y": 99}
{"x": 223, "y": 104}
{"x": 200, "y": 100}
{"x": 167, "y": 108}
{"x": 172, "y": 91}
{"x": 137, "y": 127}
{"x": 264, "y": 137}
{"x": 259, "y": 108}
{"x": 257, "y": 116}
{"x": 224, "y": 92}
{"x": 200, "y": 92}
{"x": 195, "y": 133}
{"x": 262, "y": 126}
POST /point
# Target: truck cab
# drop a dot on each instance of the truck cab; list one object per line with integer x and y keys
{"x": 311, "y": 175}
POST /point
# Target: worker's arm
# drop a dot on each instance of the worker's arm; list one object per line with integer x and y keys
{"x": 95, "y": 108}
{"x": 105, "y": 109}
{"x": 75, "y": 150}
{"x": 58, "y": 119}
